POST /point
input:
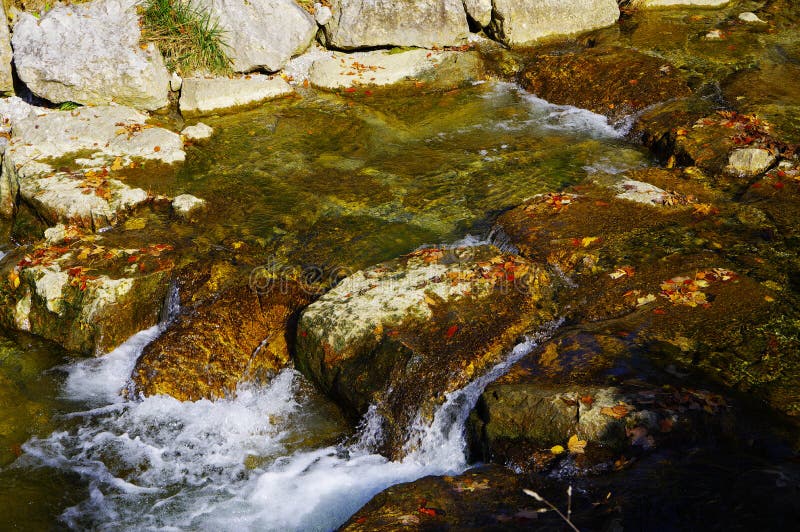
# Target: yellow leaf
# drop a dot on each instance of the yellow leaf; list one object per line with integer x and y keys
{"x": 13, "y": 279}
{"x": 589, "y": 240}
{"x": 649, "y": 298}
{"x": 557, "y": 449}
{"x": 575, "y": 445}
{"x": 117, "y": 165}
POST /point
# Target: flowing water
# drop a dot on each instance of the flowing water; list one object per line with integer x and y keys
{"x": 317, "y": 179}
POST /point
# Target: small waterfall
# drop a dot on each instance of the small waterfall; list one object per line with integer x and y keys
{"x": 157, "y": 463}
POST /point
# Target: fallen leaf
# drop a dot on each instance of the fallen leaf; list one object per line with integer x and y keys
{"x": 575, "y": 445}
{"x": 617, "y": 411}
{"x": 557, "y": 449}
{"x": 452, "y": 331}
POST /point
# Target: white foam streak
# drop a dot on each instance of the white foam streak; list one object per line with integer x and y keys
{"x": 161, "y": 464}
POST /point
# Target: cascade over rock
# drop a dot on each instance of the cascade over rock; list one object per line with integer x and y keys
{"x": 402, "y": 334}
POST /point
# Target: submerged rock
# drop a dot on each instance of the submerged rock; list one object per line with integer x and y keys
{"x": 187, "y": 206}
{"x": 203, "y": 95}
{"x": 261, "y": 34}
{"x": 402, "y": 334}
{"x": 485, "y": 498}
{"x": 750, "y": 161}
{"x": 685, "y": 281}
{"x": 520, "y": 22}
{"x": 199, "y": 131}
{"x": 66, "y": 164}
{"x": 90, "y": 54}
{"x": 82, "y": 294}
{"x": 380, "y": 67}
{"x": 380, "y": 23}
{"x": 234, "y": 336}
{"x": 612, "y": 82}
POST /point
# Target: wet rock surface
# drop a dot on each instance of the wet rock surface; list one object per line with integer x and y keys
{"x": 612, "y": 82}
{"x": 402, "y": 334}
{"x": 82, "y": 293}
{"x": 235, "y": 336}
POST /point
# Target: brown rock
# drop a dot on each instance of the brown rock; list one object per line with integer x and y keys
{"x": 235, "y": 336}
{"x": 612, "y": 82}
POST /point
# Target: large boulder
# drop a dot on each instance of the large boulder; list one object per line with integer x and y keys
{"x": 67, "y": 165}
{"x": 90, "y": 54}
{"x": 261, "y": 34}
{"x": 82, "y": 293}
{"x": 614, "y": 82}
{"x": 402, "y": 334}
{"x": 375, "y": 23}
{"x": 237, "y": 335}
{"x": 520, "y": 22}
{"x": 6, "y": 78}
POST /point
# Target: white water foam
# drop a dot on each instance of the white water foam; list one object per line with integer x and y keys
{"x": 549, "y": 116}
{"x": 161, "y": 464}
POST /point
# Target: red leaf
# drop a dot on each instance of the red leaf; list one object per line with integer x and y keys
{"x": 350, "y": 89}
{"x": 452, "y": 331}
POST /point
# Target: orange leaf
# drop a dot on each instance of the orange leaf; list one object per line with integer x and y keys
{"x": 452, "y": 331}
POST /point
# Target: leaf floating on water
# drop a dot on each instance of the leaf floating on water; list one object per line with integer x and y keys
{"x": 13, "y": 279}
{"x": 623, "y": 271}
{"x": 575, "y": 445}
{"x": 644, "y": 300}
{"x": 452, "y": 331}
{"x": 617, "y": 412}
{"x": 557, "y": 449}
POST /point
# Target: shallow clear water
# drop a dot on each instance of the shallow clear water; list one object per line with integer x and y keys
{"x": 318, "y": 180}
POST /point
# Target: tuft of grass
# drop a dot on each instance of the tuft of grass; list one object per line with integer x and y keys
{"x": 68, "y": 106}
{"x": 189, "y": 38}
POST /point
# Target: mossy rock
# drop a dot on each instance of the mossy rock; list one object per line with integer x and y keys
{"x": 402, "y": 334}
{"x": 614, "y": 82}
{"x": 237, "y": 335}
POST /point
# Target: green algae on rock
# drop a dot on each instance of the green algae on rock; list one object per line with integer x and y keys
{"x": 402, "y": 334}
{"x": 82, "y": 294}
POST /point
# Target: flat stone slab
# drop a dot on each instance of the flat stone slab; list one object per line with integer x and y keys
{"x": 94, "y": 142}
{"x": 201, "y": 95}
{"x": 381, "y": 67}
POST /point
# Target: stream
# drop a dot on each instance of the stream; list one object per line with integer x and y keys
{"x": 370, "y": 185}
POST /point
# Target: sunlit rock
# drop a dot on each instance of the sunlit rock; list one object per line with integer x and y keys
{"x": 378, "y": 23}
{"x": 64, "y": 164}
{"x": 519, "y": 22}
{"x": 205, "y": 95}
{"x": 261, "y": 34}
{"x": 82, "y": 294}
{"x": 90, "y": 54}
{"x": 6, "y": 79}
{"x": 448, "y": 69}
{"x": 402, "y": 334}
